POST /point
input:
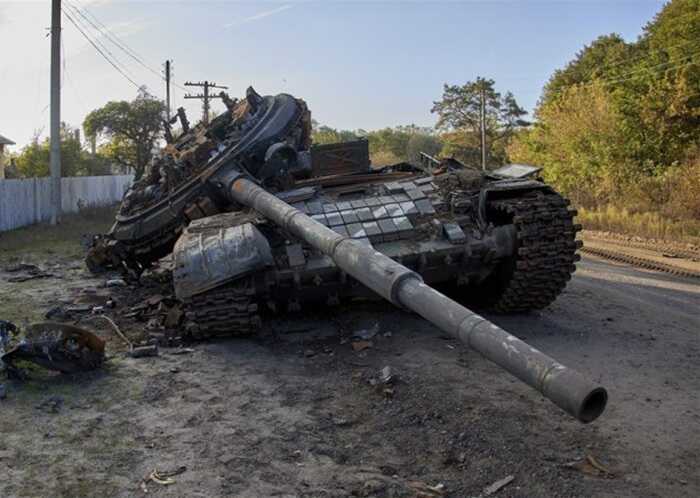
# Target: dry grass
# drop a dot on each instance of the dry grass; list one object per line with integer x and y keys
{"x": 644, "y": 224}
{"x": 383, "y": 158}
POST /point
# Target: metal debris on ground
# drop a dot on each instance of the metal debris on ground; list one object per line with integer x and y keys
{"x": 358, "y": 346}
{"x": 589, "y": 465}
{"x": 387, "y": 375}
{"x": 173, "y": 317}
{"x": 34, "y": 275}
{"x": 7, "y": 330}
{"x": 366, "y": 334}
{"x": 52, "y": 404}
{"x": 18, "y": 267}
{"x": 116, "y": 329}
{"x": 182, "y": 351}
{"x": 79, "y": 308}
{"x": 162, "y": 477}
{"x": 28, "y": 272}
{"x": 144, "y": 351}
{"x": 116, "y": 282}
{"x": 342, "y": 422}
{"x": 56, "y": 346}
{"x": 155, "y": 300}
{"x": 497, "y": 486}
{"x": 424, "y": 490}
{"x": 57, "y": 312}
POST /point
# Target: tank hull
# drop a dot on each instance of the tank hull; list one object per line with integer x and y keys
{"x": 518, "y": 259}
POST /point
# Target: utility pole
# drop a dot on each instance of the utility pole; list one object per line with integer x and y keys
{"x": 167, "y": 89}
{"x": 55, "y": 152}
{"x": 483, "y": 129}
{"x": 204, "y": 96}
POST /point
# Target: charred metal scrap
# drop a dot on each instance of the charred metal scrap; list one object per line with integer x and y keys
{"x": 264, "y": 133}
{"x": 259, "y": 221}
{"x": 7, "y": 330}
{"x": 55, "y": 346}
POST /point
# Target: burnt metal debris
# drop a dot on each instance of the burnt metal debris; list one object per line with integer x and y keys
{"x": 55, "y": 346}
{"x": 256, "y": 225}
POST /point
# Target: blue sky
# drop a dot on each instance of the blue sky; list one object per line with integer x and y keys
{"x": 358, "y": 64}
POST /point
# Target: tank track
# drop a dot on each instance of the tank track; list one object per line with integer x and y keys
{"x": 546, "y": 253}
{"x": 229, "y": 310}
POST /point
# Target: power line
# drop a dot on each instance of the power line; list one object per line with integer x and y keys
{"x": 111, "y": 36}
{"x": 627, "y": 76}
{"x": 642, "y": 69}
{"x": 100, "y": 51}
{"x": 639, "y": 57}
{"x": 99, "y": 42}
{"x": 687, "y": 63}
{"x": 104, "y": 31}
{"x": 205, "y": 97}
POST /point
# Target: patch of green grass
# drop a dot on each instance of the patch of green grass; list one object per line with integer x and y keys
{"x": 18, "y": 305}
{"x": 41, "y": 240}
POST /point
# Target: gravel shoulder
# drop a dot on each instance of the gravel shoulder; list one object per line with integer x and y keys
{"x": 684, "y": 257}
{"x": 294, "y": 413}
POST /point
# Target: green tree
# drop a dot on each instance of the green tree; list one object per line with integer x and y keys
{"x": 33, "y": 160}
{"x": 608, "y": 56}
{"x": 459, "y": 110}
{"x": 131, "y": 129}
{"x": 425, "y": 142}
{"x": 321, "y": 134}
{"x": 620, "y": 124}
{"x": 580, "y": 140}
{"x": 386, "y": 146}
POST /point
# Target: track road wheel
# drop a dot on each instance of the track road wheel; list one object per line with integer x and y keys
{"x": 545, "y": 255}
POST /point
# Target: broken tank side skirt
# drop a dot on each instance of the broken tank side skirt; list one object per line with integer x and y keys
{"x": 56, "y": 346}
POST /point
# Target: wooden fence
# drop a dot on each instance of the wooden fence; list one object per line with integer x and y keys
{"x": 28, "y": 201}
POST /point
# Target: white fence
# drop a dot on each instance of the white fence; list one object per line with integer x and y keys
{"x": 25, "y": 202}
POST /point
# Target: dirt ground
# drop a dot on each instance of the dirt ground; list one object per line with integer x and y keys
{"x": 293, "y": 412}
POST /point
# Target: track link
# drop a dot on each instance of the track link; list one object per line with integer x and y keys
{"x": 546, "y": 253}
{"x": 226, "y": 311}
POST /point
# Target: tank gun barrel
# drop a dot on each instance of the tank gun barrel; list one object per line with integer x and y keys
{"x": 565, "y": 387}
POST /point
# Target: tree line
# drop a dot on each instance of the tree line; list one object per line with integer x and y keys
{"x": 460, "y": 111}
{"x": 120, "y": 137}
{"x": 620, "y": 124}
{"x": 125, "y": 134}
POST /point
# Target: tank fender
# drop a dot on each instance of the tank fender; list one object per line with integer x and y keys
{"x": 504, "y": 188}
{"x": 207, "y": 259}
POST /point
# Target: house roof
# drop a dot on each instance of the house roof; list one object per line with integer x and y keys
{"x": 6, "y": 141}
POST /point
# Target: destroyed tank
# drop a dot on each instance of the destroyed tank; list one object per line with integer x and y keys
{"x": 259, "y": 221}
